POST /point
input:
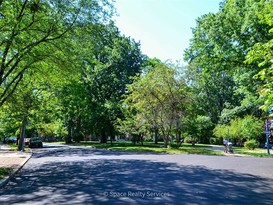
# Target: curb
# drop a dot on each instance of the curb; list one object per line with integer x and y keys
{"x": 4, "y": 181}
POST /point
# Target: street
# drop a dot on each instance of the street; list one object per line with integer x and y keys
{"x": 59, "y": 174}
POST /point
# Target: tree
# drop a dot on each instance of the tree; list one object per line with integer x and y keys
{"x": 31, "y": 32}
{"x": 240, "y": 129}
{"x": 236, "y": 130}
{"x": 74, "y": 100}
{"x": 252, "y": 127}
{"x": 217, "y": 56}
{"x": 116, "y": 59}
{"x": 159, "y": 99}
{"x": 104, "y": 61}
{"x": 26, "y": 99}
{"x": 34, "y": 106}
{"x": 222, "y": 131}
{"x": 261, "y": 53}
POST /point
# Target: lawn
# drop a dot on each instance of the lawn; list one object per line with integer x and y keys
{"x": 258, "y": 152}
{"x": 14, "y": 147}
{"x": 152, "y": 148}
{"x": 5, "y": 171}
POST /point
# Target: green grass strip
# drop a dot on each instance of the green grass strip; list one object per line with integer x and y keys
{"x": 5, "y": 171}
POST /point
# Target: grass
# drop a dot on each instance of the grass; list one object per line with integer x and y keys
{"x": 258, "y": 152}
{"x": 14, "y": 147}
{"x": 152, "y": 148}
{"x": 5, "y": 171}
{"x": 186, "y": 148}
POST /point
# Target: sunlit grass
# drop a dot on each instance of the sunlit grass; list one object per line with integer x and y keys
{"x": 258, "y": 152}
{"x": 5, "y": 171}
{"x": 14, "y": 147}
{"x": 184, "y": 149}
{"x": 152, "y": 148}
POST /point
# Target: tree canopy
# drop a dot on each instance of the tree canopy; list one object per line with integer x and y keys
{"x": 66, "y": 71}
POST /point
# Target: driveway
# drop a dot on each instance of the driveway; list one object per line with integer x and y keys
{"x": 76, "y": 175}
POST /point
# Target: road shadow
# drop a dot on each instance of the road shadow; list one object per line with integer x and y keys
{"x": 119, "y": 181}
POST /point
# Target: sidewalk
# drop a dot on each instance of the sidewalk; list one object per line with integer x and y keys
{"x": 220, "y": 148}
{"x": 13, "y": 159}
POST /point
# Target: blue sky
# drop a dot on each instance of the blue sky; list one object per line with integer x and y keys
{"x": 163, "y": 27}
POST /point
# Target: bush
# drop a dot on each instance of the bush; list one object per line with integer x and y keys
{"x": 148, "y": 139}
{"x": 78, "y": 137}
{"x": 212, "y": 140}
{"x": 174, "y": 146}
{"x": 190, "y": 139}
{"x": 251, "y": 144}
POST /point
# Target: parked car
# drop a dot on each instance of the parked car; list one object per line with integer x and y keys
{"x": 35, "y": 142}
{"x": 26, "y": 141}
{"x": 11, "y": 140}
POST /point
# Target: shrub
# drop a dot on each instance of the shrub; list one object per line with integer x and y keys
{"x": 174, "y": 146}
{"x": 190, "y": 139}
{"x": 5, "y": 171}
{"x": 251, "y": 144}
{"x": 78, "y": 137}
{"x": 212, "y": 140}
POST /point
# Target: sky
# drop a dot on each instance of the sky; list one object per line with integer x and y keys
{"x": 163, "y": 27}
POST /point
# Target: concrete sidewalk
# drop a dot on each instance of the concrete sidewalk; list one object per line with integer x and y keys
{"x": 13, "y": 159}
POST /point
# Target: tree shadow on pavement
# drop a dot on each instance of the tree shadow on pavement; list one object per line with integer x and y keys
{"x": 121, "y": 181}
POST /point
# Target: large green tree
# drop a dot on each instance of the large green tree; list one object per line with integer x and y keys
{"x": 159, "y": 99}
{"x": 105, "y": 61}
{"x": 217, "y": 55}
{"x": 31, "y": 31}
{"x": 261, "y": 53}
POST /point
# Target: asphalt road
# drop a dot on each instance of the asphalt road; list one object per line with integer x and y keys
{"x": 73, "y": 175}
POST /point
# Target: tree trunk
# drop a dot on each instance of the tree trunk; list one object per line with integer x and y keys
{"x": 112, "y": 136}
{"x": 178, "y": 137}
{"x": 156, "y": 136}
{"x": 141, "y": 138}
{"x": 103, "y": 138}
{"x": 166, "y": 141}
{"x": 22, "y": 134}
{"x": 68, "y": 139}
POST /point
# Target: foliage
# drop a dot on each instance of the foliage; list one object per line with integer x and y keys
{"x": 240, "y": 129}
{"x": 213, "y": 140}
{"x": 222, "y": 131}
{"x": 191, "y": 140}
{"x": 261, "y": 53}
{"x": 252, "y": 127}
{"x": 78, "y": 137}
{"x": 66, "y": 70}
{"x": 64, "y": 67}
{"x": 158, "y": 100}
{"x": 5, "y": 171}
{"x": 33, "y": 32}
{"x": 225, "y": 84}
{"x": 251, "y": 144}
{"x": 203, "y": 126}
{"x": 96, "y": 93}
